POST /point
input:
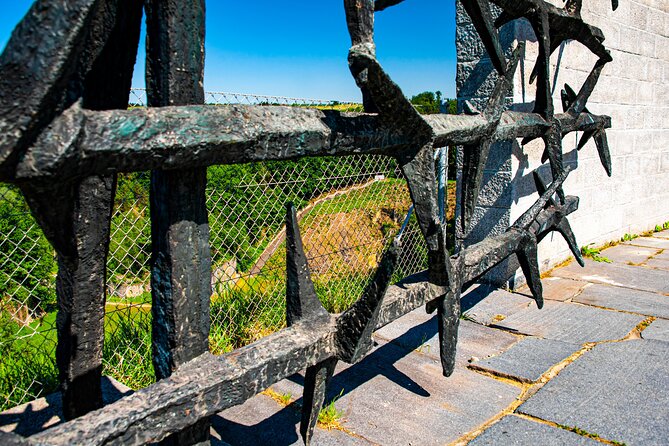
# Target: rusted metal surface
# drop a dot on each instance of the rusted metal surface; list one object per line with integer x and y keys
{"x": 60, "y": 146}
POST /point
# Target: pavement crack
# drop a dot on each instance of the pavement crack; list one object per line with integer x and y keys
{"x": 574, "y": 429}
{"x": 616, "y": 310}
{"x": 500, "y": 376}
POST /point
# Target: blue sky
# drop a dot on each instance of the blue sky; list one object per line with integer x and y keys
{"x": 299, "y": 48}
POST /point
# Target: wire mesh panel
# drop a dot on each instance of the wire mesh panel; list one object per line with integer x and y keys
{"x": 27, "y": 303}
{"x": 349, "y": 209}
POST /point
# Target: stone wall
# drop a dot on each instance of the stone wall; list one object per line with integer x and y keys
{"x": 633, "y": 90}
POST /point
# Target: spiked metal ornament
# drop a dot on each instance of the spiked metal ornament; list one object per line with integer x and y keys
{"x": 62, "y": 149}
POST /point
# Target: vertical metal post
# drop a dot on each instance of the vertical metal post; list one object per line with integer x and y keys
{"x": 442, "y": 178}
{"x": 76, "y": 215}
{"x": 181, "y": 258}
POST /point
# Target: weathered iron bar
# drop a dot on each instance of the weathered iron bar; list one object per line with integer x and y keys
{"x": 87, "y": 142}
{"x": 180, "y": 252}
{"x": 76, "y": 213}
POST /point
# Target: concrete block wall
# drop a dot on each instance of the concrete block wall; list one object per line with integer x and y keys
{"x": 633, "y": 90}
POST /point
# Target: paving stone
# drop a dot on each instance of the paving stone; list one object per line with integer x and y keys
{"x": 492, "y": 305}
{"x": 657, "y": 330}
{"x": 662, "y": 234}
{"x": 658, "y": 264}
{"x": 528, "y": 359}
{"x": 650, "y": 242}
{"x": 41, "y": 413}
{"x": 392, "y": 396}
{"x": 568, "y": 322}
{"x": 618, "y": 391}
{"x": 557, "y": 288}
{"x": 629, "y": 253}
{"x": 627, "y": 276}
{"x": 415, "y": 332}
{"x": 625, "y": 299}
{"x": 263, "y": 421}
{"x": 517, "y": 431}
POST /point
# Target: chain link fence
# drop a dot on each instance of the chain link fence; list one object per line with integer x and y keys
{"x": 349, "y": 209}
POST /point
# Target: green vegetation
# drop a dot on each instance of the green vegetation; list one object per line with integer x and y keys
{"x": 329, "y": 417}
{"x": 429, "y": 102}
{"x": 285, "y": 398}
{"x": 130, "y": 241}
{"x": 594, "y": 253}
{"x": 127, "y": 348}
{"x": 27, "y": 264}
{"x": 627, "y": 237}
{"x": 584, "y": 433}
{"x": 26, "y": 369}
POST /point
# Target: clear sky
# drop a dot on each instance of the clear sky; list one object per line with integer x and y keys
{"x": 299, "y": 48}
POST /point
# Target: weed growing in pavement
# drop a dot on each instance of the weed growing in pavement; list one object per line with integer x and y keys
{"x": 594, "y": 253}
{"x": 628, "y": 237}
{"x": 329, "y": 416}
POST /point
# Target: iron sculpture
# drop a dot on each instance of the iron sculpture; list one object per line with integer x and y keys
{"x": 65, "y": 132}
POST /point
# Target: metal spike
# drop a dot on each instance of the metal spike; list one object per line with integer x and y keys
{"x": 470, "y": 109}
{"x": 529, "y": 263}
{"x": 544, "y": 100}
{"x": 527, "y": 140}
{"x": 301, "y": 299}
{"x": 564, "y": 228}
{"x": 585, "y": 138}
{"x": 473, "y": 164}
{"x": 380, "y": 5}
{"x": 578, "y": 103}
{"x": 544, "y": 156}
{"x": 356, "y": 325}
{"x": 316, "y": 381}
{"x": 524, "y": 221}
{"x": 440, "y": 270}
{"x": 574, "y": 7}
{"x": 541, "y": 188}
{"x": 481, "y": 15}
{"x": 602, "y": 144}
{"x": 448, "y": 317}
{"x": 496, "y": 104}
{"x": 568, "y": 96}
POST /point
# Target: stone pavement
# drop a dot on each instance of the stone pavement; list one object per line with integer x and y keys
{"x": 591, "y": 367}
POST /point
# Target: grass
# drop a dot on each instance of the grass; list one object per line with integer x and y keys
{"x": 594, "y": 253}
{"x": 127, "y": 348}
{"x": 329, "y": 416}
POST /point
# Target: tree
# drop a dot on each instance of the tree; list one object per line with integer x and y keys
{"x": 427, "y": 102}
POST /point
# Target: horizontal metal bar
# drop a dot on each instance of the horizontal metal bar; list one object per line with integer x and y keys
{"x": 199, "y": 388}
{"x": 84, "y": 142}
